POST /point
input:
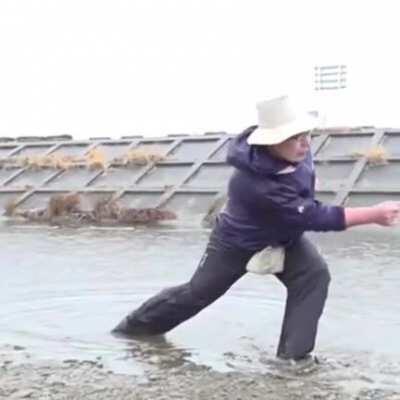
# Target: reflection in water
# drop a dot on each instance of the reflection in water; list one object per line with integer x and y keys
{"x": 63, "y": 290}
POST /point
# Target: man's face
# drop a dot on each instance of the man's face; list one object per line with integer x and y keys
{"x": 293, "y": 149}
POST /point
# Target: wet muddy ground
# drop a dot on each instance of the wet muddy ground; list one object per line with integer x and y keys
{"x": 25, "y": 378}
{"x": 62, "y": 290}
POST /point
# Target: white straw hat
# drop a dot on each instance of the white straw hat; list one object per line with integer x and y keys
{"x": 279, "y": 120}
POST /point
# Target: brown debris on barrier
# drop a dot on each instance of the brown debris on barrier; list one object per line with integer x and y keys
{"x": 60, "y": 205}
{"x": 94, "y": 159}
{"x": 67, "y": 209}
{"x": 56, "y": 161}
{"x": 136, "y": 216}
{"x": 10, "y": 208}
{"x": 140, "y": 157}
{"x": 111, "y": 211}
{"x": 377, "y": 155}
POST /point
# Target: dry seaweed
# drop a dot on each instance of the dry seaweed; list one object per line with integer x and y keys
{"x": 65, "y": 208}
{"x": 377, "y": 155}
{"x": 96, "y": 159}
{"x": 140, "y": 156}
{"x": 10, "y": 208}
{"x": 63, "y": 204}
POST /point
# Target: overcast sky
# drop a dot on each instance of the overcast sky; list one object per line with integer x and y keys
{"x": 153, "y": 67}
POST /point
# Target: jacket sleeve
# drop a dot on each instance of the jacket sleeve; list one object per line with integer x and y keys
{"x": 286, "y": 208}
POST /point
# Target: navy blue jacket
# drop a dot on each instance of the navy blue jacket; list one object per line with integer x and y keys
{"x": 270, "y": 201}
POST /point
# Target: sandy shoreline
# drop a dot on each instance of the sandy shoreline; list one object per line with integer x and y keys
{"x": 24, "y": 377}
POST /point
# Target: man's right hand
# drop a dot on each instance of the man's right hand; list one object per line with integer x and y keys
{"x": 384, "y": 214}
{"x": 388, "y": 213}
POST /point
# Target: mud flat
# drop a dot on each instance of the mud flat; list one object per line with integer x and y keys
{"x": 361, "y": 377}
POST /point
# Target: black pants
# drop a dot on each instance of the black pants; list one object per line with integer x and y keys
{"x": 305, "y": 276}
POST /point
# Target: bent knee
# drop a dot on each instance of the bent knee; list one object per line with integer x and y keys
{"x": 322, "y": 275}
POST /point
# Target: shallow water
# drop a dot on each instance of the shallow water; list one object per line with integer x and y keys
{"x": 63, "y": 289}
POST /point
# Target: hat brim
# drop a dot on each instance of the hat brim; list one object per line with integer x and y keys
{"x": 271, "y": 136}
